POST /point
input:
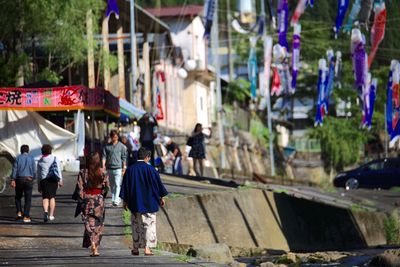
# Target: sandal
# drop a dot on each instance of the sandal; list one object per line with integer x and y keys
{"x": 135, "y": 252}
{"x": 95, "y": 252}
{"x": 149, "y": 254}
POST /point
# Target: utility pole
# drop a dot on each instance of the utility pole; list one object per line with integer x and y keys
{"x": 268, "y": 42}
{"x": 215, "y": 48}
{"x": 89, "y": 28}
{"x": 386, "y": 133}
{"x": 228, "y": 25}
{"x": 133, "y": 50}
{"x": 91, "y": 75}
{"x": 121, "y": 67}
{"x": 147, "y": 74}
{"x": 106, "y": 54}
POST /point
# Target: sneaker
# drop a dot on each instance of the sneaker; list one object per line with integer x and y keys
{"x": 46, "y": 217}
{"x": 27, "y": 219}
{"x": 114, "y": 204}
{"x": 19, "y": 216}
{"x": 52, "y": 218}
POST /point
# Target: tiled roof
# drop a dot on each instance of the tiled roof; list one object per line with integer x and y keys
{"x": 186, "y": 10}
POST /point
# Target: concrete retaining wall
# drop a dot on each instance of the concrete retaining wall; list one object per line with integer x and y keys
{"x": 256, "y": 218}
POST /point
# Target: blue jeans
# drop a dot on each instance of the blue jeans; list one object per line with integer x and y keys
{"x": 177, "y": 168}
{"x": 115, "y": 176}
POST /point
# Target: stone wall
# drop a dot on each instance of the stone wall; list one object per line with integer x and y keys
{"x": 255, "y": 218}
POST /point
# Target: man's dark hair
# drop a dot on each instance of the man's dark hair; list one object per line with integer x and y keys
{"x": 24, "y": 149}
{"x": 113, "y": 133}
{"x": 46, "y": 149}
{"x": 143, "y": 153}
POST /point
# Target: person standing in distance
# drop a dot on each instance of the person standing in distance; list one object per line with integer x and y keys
{"x": 148, "y": 132}
{"x": 22, "y": 179}
{"x": 114, "y": 161}
{"x": 143, "y": 192}
{"x": 198, "y": 150}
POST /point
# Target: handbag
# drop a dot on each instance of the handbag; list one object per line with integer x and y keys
{"x": 75, "y": 195}
{"x": 189, "y": 141}
{"x": 54, "y": 173}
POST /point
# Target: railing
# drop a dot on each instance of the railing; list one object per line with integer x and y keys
{"x": 306, "y": 145}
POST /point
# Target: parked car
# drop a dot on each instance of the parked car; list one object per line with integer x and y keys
{"x": 380, "y": 173}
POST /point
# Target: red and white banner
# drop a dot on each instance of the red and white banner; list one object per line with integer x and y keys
{"x": 58, "y": 99}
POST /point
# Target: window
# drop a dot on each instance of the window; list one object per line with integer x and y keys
{"x": 392, "y": 164}
{"x": 376, "y": 166}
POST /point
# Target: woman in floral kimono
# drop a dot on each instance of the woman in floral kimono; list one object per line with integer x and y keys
{"x": 92, "y": 187}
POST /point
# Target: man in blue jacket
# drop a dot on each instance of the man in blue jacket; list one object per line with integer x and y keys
{"x": 142, "y": 193}
{"x": 22, "y": 179}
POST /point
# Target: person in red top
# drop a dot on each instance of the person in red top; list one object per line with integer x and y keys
{"x": 91, "y": 190}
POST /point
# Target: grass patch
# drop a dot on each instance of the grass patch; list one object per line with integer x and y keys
{"x": 126, "y": 216}
{"x": 247, "y": 186}
{"x": 395, "y": 189}
{"x": 330, "y": 189}
{"x": 392, "y": 229}
{"x": 183, "y": 258}
{"x": 357, "y": 207}
{"x": 327, "y": 185}
{"x": 279, "y": 191}
{"x": 174, "y": 195}
{"x": 367, "y": 202}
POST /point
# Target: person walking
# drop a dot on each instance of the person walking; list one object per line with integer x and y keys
{"x": 114, "y": 161}
{"x": 22, "y": 179}
{"x": 134, "y": 145}
{"x": 46, "y": 185}
{"x": 148, "y": 132}
{"x": 172, "y": 147}
{"x": 142, "y": 193}
{"x": 91, "y": 190}
{"x": 198, "y": 151}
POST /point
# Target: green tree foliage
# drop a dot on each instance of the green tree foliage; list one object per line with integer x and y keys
{"x": 341, "y": 138}
{"x": 340, "y": 141}
{"x": 392, "y": 228}
{"x": 55, "y": 28}
{"x": 238, "y": 90}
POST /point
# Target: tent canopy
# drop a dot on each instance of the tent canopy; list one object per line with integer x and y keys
{"x": 129, "y": 111}
{"x": 23, "y": 127}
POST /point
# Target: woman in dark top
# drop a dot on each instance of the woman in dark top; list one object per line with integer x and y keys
{"x": 198, "y": 151}
{"x": 92, "y": 187}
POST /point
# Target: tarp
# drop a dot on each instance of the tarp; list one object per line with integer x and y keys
{"x": 25, "y": 127}
{"x": 129, "y": 111}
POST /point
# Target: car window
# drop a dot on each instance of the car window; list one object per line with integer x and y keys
{"x": 375, "y": 166}
{"x": 392, "y": 164}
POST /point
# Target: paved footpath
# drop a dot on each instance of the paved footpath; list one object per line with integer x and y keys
{"x": 59, "y": 243}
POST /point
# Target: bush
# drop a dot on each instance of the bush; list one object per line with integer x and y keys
{"x": 341, "y": 142}
{"x": 392, "y": 229}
